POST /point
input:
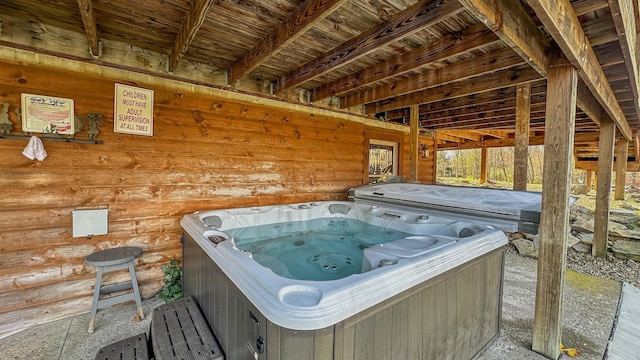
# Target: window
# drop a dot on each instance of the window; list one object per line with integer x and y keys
{"x": 383, "y": 160}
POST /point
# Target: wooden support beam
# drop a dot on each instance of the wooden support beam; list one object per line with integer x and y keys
{"x": 497, "y": 80}
{"x": 521, "y": 150}
{"x": 623, "y": 15}
{"x": 462, "y": 134}
{"x": 603, "y": 189}
{"x": 561, "y": 22}
{"x": 484, "y": 64}
{"x": 554, "y": 222}
{"x": 579, "y": 138}
{"x": 637, "y": 147}
{"x": 484, "y": 169}
{"x": 303, "y": 18}
{"x": 435, "y": 159}
{"x": 89, "y": 21}
{"x": 451, "y": 45}
{"x": 622, "y": 152}
{"x": 511, "y": 22}
{"x": 417, "y": 17}
{"x": 413, "y": 144}
{"x": 632, "y": 166}
{"x": 589, "y": 179}
{"x": 193, "y": 20}
{"x": 590, "y": 105}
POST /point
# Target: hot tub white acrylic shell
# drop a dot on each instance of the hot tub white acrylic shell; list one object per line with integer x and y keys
{"x": 309, "y": 305}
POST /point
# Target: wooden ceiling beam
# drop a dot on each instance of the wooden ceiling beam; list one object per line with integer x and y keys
{"x": 489, "y": 82}
{"x": 480, "y": 65}
{"x": 582, "y": 7}
{"x": 463, "y": 134}
{"x": 451, "y": 45}
{"x": 625, "y": 24}
{"x": 195, "y": 17}
{"x": 423, "y": 14}
{"x": 579, "y": 138}
{"x": 90, "y": 28}
{"x": 303, "y": 18}
{"x": 478, "y": 110}
{"x": 511, "y": 22}
{"x": 561, "y": 22}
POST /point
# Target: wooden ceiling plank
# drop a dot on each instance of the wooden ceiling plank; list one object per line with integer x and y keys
{"x": 489, "y": 82}
{"x": 463, "y": 134}
{"x": 90, "y": 28}
{"x": 421, "y": 15}
{"x": 579, "y": 138}
{"x": 305, "y": 16}
{"x": 561, "y": 22}
{"x": 624, "y": 20}
{"x": 582, "y": 7}
{"x": 195, "y": 17}
{"x": 480, "y": 110}
{"x": 511, "y": 22}
{"x": 470, "y": 39}
{"x": 483, "y": 64}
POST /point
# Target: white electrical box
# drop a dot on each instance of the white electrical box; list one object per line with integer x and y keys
{"x": 89, "y": 222}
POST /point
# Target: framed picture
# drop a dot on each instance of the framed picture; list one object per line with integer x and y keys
{"x": 47, "y": 114}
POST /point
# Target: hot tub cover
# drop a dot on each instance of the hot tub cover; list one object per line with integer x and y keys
{"x": 507, "y": 210}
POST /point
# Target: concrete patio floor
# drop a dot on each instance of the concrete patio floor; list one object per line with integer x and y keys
{"x": 589, "y": 309}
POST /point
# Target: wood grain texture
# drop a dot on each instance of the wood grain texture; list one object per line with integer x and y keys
{"x": 305, "y": 16}
{"x": 561, "y": 22}
{"x": 521, "y": 149}
{"x": 194, "y": 18}
{"x": 489, "y": 82}
{"x": 603, "y": 189}
{"x": 554, "y": 223}
{"x": 206, "y": 152}
{"x": 510, "y": 21}
{"x": 484, "y": 64}
{"x": 89, "y": 21}
{"x": 470, "y": 39}
{"x": 423, "y": 14}
{"x": 621, "y": 154}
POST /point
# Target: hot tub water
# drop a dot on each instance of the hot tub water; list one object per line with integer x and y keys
{"x": 317, "y": 249}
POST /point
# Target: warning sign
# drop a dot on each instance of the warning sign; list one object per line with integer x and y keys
{"x": 133, "y": 110}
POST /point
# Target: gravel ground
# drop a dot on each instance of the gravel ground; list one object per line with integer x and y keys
{"x": 610, "y": 268}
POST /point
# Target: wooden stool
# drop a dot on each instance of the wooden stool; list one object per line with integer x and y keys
{"x": 110, "y": 260}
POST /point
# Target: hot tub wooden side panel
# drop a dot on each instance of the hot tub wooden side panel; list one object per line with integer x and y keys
{"x": 452, "y": 316}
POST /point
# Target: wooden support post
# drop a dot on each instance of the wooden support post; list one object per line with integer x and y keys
{"x": 435, "y": 158}
{"x": 554, "y": 224}
{"x": 589, "y": 178}
{"x": 521, "y": 149}
{"x": 413, "y": 141}
{"x": 483, "y": 165}
{"x": 603, "y": 189}
{"x": 622, "y": 153}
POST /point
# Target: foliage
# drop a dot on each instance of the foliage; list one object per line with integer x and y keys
{"x": 172, "y": 289}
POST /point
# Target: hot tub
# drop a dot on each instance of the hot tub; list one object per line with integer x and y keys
{"x": 430, "y": 289}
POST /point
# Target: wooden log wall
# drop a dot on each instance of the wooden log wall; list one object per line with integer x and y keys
{"x": 206, "y": 152}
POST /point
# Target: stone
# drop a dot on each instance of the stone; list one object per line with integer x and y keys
{"x": 625, "y": 233}
{"x": 582, "y": 248}
{"x": 572, "y": 240}
{"x": 582, "y": 225}
{"x": 525, "y": 248}
{"x": 623, "y": 216}
{"x": 518, "y": 235}
{"x": 626, "y": 249}
{"x": 585, "y": 238}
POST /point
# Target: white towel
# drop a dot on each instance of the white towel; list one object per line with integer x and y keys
{"x": 35, "y": 149}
